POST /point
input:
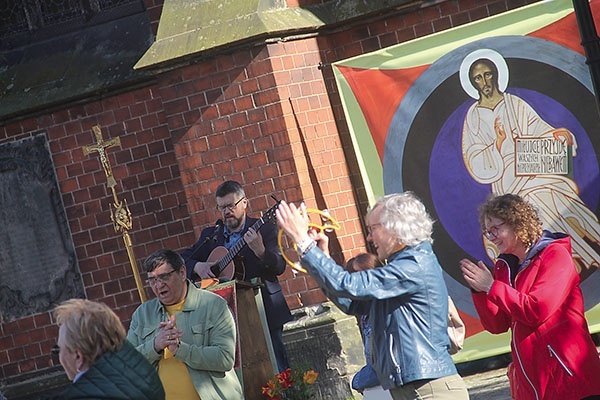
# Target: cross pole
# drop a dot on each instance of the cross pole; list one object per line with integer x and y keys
{"x": 121, "y": 217}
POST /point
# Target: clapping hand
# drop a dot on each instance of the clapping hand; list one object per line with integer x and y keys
{"x": 168, "y": 336}
{"x": 478, "y": 276}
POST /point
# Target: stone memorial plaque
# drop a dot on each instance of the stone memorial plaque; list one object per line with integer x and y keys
{"x": 38, "y": 267}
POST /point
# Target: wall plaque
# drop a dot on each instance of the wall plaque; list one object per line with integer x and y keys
{"x": 38, "y": 267}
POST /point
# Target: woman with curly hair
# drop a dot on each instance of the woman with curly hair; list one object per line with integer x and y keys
{"x": 534, "y": 291}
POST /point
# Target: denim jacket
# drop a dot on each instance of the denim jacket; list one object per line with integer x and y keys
{"x": 207, "y": 346}
{"x": 407, "y": 304}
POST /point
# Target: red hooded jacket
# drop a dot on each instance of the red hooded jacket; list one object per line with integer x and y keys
{"x": 554, "y": 357}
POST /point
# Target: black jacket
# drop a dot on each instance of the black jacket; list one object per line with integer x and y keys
{"x": 125, "y": 375}
{"x": 276, "y": 308}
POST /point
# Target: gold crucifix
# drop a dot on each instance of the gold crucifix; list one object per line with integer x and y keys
{"x": 100, "y": 147}
{"x": 121, "y": 217}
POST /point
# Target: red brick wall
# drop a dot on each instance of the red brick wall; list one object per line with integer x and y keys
{"x": 232, "y": 118}
{"x": 266, "y": 116}
{"x": 154, "y": 9}
{"x": 147, "y": 173}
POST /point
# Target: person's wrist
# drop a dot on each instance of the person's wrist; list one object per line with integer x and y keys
{"x": 154, "y": 346}
{"x": 489, "y": 288}
{"x": 305, "y": 245}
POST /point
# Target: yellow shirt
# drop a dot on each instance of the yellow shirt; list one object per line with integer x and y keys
{"x": 173, "y": 373}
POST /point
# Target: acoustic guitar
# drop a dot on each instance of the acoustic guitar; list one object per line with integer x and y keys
{"x": 227, "y": 265}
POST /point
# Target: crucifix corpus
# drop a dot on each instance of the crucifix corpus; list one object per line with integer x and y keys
{"x": 121, "y": 216}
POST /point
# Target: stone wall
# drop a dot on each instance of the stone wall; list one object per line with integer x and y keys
{"x": 326, "y": 340}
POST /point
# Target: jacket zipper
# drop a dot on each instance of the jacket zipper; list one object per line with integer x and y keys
{"x": 390, "y": 350}
{"x": 560, "y": 361}
{"x": 521, "y": 365}
{"x": 514, "y": 327}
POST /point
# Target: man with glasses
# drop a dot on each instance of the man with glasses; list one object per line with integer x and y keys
{"x": 189, "y": 334}
{"x": 262, "y": 260}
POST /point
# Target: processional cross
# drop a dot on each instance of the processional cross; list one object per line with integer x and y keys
{"x": 121, "y": 217}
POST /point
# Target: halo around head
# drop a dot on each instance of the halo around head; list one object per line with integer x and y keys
{"x": 491, "y": 55}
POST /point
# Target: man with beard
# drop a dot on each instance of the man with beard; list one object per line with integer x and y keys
{"x": 261, "y": 258}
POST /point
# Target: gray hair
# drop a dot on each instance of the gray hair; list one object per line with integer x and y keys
{"x": 230, "y": 187}
{"x": 405, "y": 216}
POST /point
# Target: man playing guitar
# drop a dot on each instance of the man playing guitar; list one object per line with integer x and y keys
{"x": 255, "y": 242}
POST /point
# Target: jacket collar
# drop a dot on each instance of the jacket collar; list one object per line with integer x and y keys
{"x": 192, "y": 299}
{"x": 411, "y": 251}
{"x": 547, "y": 238}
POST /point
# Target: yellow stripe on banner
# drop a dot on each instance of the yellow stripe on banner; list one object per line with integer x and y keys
{"x": 594, "y": 315}
{"x": 426, "y": 50}
{"x": 483, "y": 345}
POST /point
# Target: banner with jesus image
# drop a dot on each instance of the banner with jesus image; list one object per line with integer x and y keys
{"x": 501, "y": 105}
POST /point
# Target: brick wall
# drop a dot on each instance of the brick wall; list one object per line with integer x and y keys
{"x": 147, "y": 173}
{"x": 264, "y": 115}
{"x": 261, "y": 117}
{"x": 154, "y": 9}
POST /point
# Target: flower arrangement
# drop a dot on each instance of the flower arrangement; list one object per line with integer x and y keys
{"x": 290, "y": 385}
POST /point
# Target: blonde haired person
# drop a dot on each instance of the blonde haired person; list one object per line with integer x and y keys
{"x": 98, "y": 359}
{"x": 406, "y": 299}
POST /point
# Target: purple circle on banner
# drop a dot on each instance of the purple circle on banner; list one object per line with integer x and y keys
{"x": 456, "y": 195}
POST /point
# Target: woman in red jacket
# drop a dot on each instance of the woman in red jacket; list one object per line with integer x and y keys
{"x": 534, "y": 290}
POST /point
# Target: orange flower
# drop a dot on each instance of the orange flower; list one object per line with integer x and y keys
{"x": 310, "y": 376}
{"x": 270, "y": 391}
{"x": 291, "y": 385}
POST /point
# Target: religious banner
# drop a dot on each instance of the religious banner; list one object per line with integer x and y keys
{"x": 415, "y": 125}
{"x": 227, "y": 291}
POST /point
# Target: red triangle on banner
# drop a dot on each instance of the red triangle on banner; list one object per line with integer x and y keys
{"x": 564, "y": 31}
{"x": 374, "y": 87}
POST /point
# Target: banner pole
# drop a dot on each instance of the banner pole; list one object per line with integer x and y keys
{"x": 589, "y": 41}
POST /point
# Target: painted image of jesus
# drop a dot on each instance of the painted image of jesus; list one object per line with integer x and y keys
{"x": 491, "y": 126}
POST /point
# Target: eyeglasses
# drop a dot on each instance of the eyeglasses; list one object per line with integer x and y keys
{"x": 370, "y": 228}
{"x": 163, "y": 278}
{"x": 229, "y": 207}
{"x": 492, "y": 231}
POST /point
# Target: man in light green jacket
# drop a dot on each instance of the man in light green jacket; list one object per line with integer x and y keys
{"x": 188, "y": 333}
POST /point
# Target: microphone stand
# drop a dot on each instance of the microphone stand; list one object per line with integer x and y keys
{"x": 207, "y": 239}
